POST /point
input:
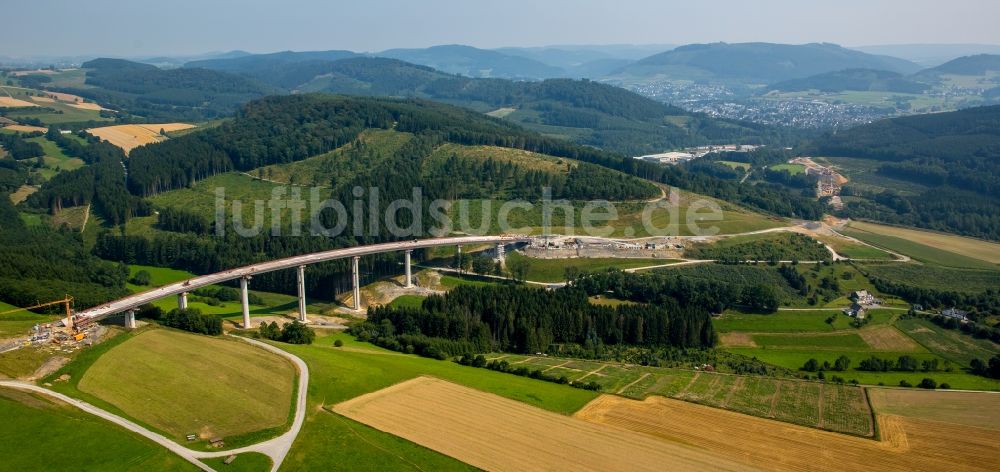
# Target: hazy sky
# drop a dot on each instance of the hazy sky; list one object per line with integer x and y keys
{"x": 141, "y": 27}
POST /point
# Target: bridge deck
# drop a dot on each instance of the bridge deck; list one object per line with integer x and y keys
{"x": 136, "y": 300}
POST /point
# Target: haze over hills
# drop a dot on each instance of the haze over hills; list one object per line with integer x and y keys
{"x": 756, "y": 62}
{"x": 585, "y": 111}
{"x": 930, "y": 55}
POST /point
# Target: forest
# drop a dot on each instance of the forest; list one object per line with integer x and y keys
{"x": 957, "y": 154}
{"x": 521, "y": 319}
{"x": 39, "y": 264}
{"x": 156, "y": 94}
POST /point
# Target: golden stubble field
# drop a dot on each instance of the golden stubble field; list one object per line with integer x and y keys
{"x": 129, "y": 137}
{"x": 494, "y": 433}
{"x": 907, "y": 442}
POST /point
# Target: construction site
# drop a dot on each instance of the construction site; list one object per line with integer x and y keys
{"x": 57, "y": 336}
{"x": 562, "y": 247}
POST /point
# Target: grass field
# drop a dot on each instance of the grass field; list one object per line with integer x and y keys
{"x": 949, "y": 344}
{"x": 790, "y": 168}
{"x": 795, "y": 358}
{"x": 735, "y": 165}
{"x": 494, "y": 433}
{"x": 338, "y": 374}
{"x": 906, "y": 444}
{"x": 158, "y": 276}
{"x": 961, "y": 252}
{"x": 407, "y": 301}
{"x": 163, "y": 378}
{"x": 46, "y": 428}
{"x": 554, "y": 270}
{"x": 821, "y": 342}
{"x": 246, "y": 462}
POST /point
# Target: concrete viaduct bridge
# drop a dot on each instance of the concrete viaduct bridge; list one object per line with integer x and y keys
{"x": 129, "y": 304}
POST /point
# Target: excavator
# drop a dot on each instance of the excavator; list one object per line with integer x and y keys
{"x": 67, "y": 301}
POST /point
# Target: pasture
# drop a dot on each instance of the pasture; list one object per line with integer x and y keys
{"x": 494, "y": 433}
{"x": 164, "y": 378}
{"x": 949, "y": 344}
{"x": 735, "y": 165}
{"x": 969, "y": 247}
{"x": 554, "y": 270}
{"x": 44, "y": 425}
{"x": 790, "y": 168}
{"x": 905, "y": 443}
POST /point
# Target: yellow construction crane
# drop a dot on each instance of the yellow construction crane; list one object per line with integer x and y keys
{"x": 65, "y": 301}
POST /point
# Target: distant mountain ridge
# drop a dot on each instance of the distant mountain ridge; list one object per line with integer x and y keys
{"x": 475, "y": 62}
{"x": 763, "y": 62}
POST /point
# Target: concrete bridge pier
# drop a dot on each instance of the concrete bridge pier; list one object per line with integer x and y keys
{"x": 245, "y": 300}
{"x": 500, "y": 252}
{"x": 356, "y": 285}
{"x": 409, "y": 274}
{"x": 182, "y": 300}
{"x": 301, "y": 282}
{"x": 459, "y": 258}
{"x": 130, "y": 319}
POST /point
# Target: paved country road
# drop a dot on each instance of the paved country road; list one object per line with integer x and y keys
{"x": 276, "y": 448}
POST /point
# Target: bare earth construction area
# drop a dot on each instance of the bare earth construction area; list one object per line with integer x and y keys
{"x": 495, "y": 433}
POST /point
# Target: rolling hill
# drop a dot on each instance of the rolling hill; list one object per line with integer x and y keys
{"x": 757, "y": 62}
{"x": 586, "y": 112}
{"x": 165, "y": 94}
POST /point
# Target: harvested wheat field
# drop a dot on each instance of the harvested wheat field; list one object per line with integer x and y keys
{"x": 906, "y": 444}
{"x": 87, "y": 106}
{"x": 10, "y": 102}
{"x": 980, "y": 409}
{"x": 494, "y": 433}
{"x": 888, "y": 338}
{"x": 25, "y": 128}
{"x": 129, "y": 137}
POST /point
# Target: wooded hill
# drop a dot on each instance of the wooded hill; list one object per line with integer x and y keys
{"x": 280, "y": 130}
{"x": 156, "y": 94}
{"x": 956, "y": 154}
{"x": 587, "y": 112}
